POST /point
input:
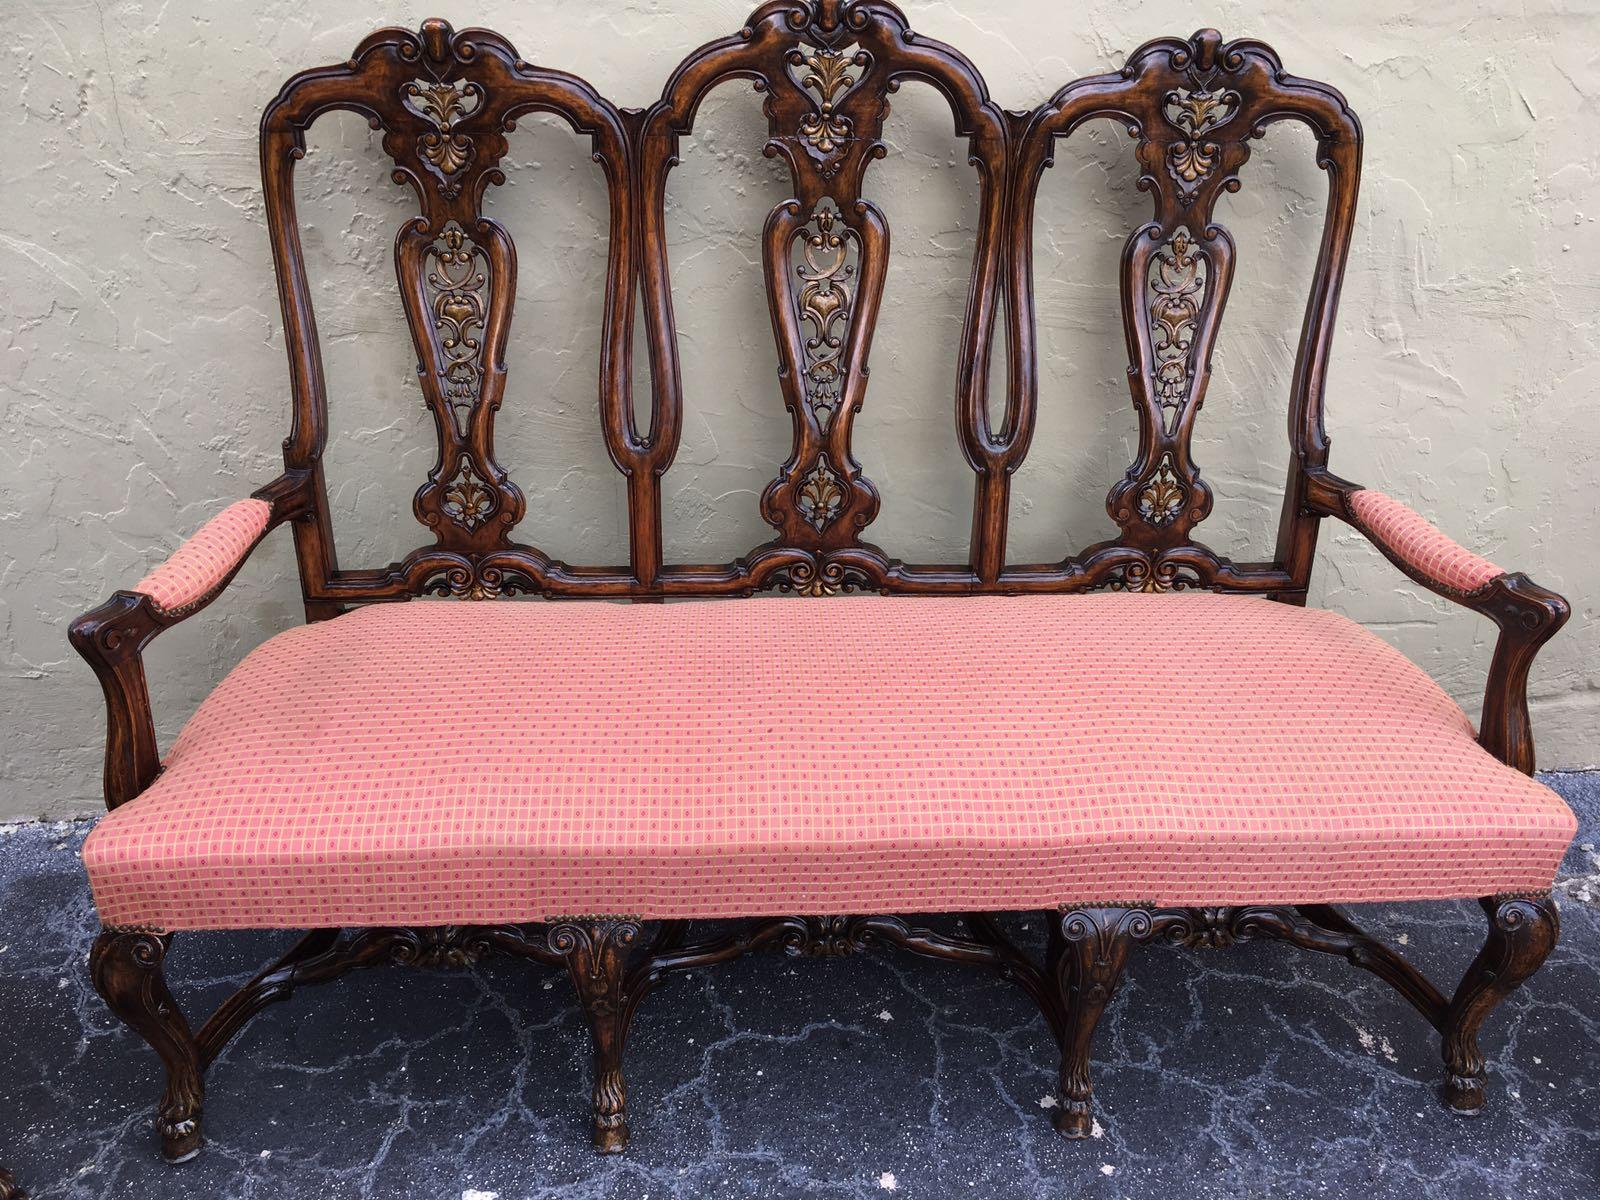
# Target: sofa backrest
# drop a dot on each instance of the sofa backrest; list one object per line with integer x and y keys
{"x": 444, "y": 101}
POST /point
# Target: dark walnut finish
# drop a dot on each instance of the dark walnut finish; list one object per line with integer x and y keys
{"x": 825, "y": 71}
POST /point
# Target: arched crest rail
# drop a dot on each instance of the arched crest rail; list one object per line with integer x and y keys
{"x": 825, "y": 73}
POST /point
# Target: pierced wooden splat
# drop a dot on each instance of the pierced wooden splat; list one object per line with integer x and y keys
{"x": 444, "y": 101}
{"x": 825, "y": 71}
{"x": 458, "y": 292}
{"x": 1193, "y": 105}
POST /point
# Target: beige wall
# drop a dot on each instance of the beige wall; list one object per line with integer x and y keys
{"x": 142, "y": 383}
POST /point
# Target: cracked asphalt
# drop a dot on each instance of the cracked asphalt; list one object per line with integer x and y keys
{"x": 1258, "y": 1071}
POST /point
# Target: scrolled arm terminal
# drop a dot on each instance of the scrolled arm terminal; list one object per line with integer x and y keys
{"x": 1528, "y": 615}
{"x": 112, "y": 638}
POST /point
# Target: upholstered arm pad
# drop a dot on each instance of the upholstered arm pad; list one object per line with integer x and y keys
{"x": 1411, "y": 540}
{"x": 203, "y": 563}
{"x": 1527, "y": 614}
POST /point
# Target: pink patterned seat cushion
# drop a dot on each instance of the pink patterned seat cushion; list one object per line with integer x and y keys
{"x": 445, "y": 763}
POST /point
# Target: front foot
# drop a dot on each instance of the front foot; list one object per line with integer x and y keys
{"x": 1091, "y": 952}
{"x": 603, "y": 959}
{"x": 1074, "y": 1120}
{"x": 179, "y": 1129}
{"x": 127, "y": 968}
{"x": 8, "y": 1187}
{"x": 611, "y": 1134}
{"x": 1463, "y": 1094}
{"x": 610, "y": 1109}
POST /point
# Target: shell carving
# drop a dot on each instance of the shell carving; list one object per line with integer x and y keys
{"x": 1196, "y": 113}
{"x": 445, "y": 105}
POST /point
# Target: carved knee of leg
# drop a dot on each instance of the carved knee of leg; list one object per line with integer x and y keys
{"x": 127, "y": 970}
{"x": 1522, "y": 932}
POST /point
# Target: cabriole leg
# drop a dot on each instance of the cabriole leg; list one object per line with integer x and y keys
{"x": 1522, "y": 932}
{"x": 126, "y": 968}
{"x": 1093, "y": 951}
{"x": 8, "y": 1187}
{"x": 600, "y": 956}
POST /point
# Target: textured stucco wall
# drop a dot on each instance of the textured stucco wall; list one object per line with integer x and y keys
{"x": 142, "y": 382}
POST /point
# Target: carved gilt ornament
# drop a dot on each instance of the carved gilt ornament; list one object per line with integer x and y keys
{"x": 1196, "y": 113}
{"x": 456, "y": 273}
{"x": 1162, "y": 497}
{"x": 821, "y": 495}
{"x": 823, "y": 73}
{"x": 445, "y": 105}
{"x": 827, "y": 278}
{"x": 1175, "y": 293}
{"x": 469, "y": 499}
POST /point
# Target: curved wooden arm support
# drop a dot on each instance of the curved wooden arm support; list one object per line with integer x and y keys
{"x": 1528, "y": 616}
{"x": 112, "y": 638}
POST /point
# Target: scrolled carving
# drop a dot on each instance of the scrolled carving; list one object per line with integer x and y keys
{"x": 1102, "y": 934}
{"x": 457, "y": 278}
{"x": 1196, "y": 112}
{"x": 830, "y": 937}
{"x": 821, "y": 495}
{"x": 1177, "y": 290}
{"x": 823, "y": 73}
{"x": 591, "y": 934}
{"x": 1210, "y": 928}
{"x": 446, "y": 947}
{"x": 826, "y": 271}
{"x": 1163, "y": 496}
{"x": 825, "y": 577}
{"x": 468, "y": 497}
{"x": 445, "y": 105}
{"x": 479, "y": 580}
{"x": 1164, "y": 575}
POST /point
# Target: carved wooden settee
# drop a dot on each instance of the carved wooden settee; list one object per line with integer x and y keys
{"x": 660, "y": 764}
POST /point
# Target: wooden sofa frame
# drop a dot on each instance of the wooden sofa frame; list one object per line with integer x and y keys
{"x": 444, "y": 101}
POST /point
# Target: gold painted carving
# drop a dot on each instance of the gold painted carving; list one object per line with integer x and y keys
{"x": 457, "y": 280}
{"x": 1177, "y": 284}
{"x": 827, "y": 279}
{"x": 823, "y": 74}
{"x": 469, "y": 499}
{"x": 1196, "y": 113}
{"x": 821, "y": 495}
{"x": 1162, "y": 497}
{"x": 445, "y": 105}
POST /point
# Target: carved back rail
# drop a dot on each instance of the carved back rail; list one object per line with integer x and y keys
{"x": 825, "y": 72}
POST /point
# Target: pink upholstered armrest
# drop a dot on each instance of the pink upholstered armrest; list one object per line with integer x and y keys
{"x": 203, "y": 563}
{"x": 1412, "y": 541}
